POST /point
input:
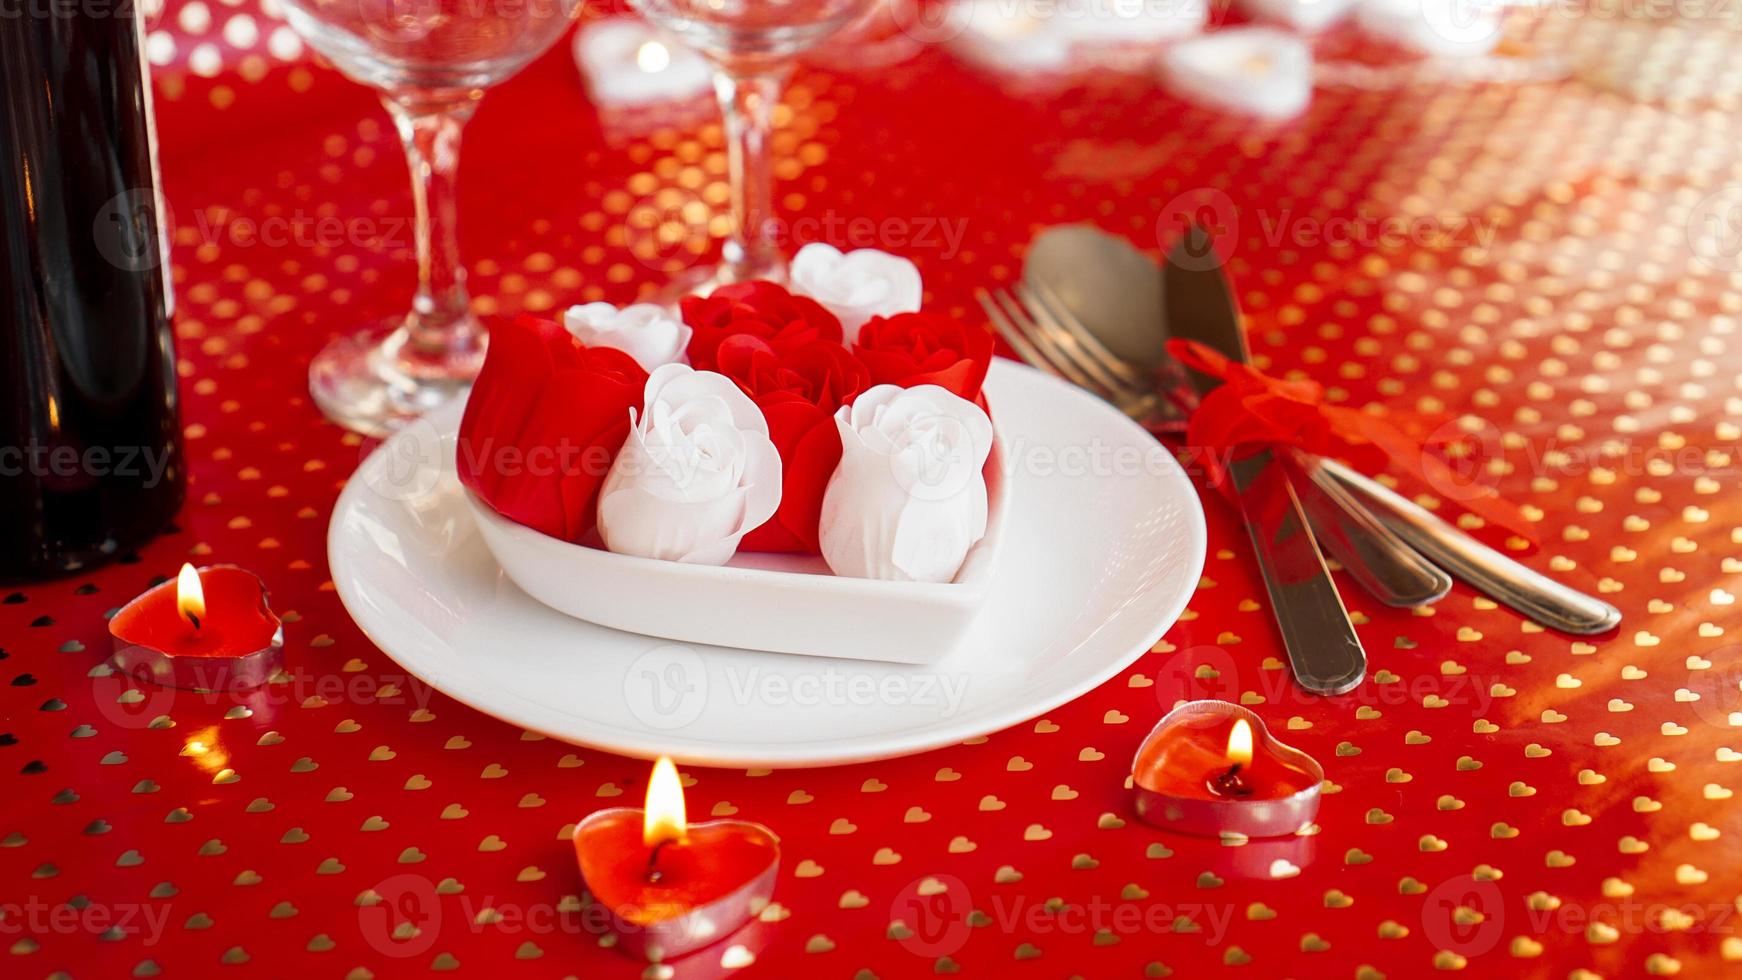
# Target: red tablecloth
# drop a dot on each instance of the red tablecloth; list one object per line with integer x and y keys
{"x": 1505, "y": 799}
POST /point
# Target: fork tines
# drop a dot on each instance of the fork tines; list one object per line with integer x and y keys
{"x": 1043, "y": 332}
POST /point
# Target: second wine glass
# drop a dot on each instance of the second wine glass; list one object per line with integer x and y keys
{"x": 752, "y": 45}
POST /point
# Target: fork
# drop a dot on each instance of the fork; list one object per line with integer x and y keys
{"x": 1046, "y": 334}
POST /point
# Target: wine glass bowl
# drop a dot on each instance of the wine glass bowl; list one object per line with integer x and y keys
{"x": 753, "y": 29}
{"x": 429, "y": 44}
{"x": 431, "y": 61}
{"x": 752, "y": 44}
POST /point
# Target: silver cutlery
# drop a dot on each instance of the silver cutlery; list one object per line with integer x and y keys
{"x": 1059, "y": 258}
{"x": 1323, "y": 649}
{"x": 1199, "y": 307}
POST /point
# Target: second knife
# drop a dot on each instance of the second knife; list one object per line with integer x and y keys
{"x": 1323, "y": 649}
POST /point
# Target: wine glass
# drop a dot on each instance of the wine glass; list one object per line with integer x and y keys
{"x": 752, "y": 45}
{"x": 431, "y": 61}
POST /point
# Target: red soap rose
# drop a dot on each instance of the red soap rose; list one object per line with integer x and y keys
{"x": 798, "y": 392}
{"x": 911, "y": 349}
{"x": 546, "y": 418}
{"x": 759, "y": 309}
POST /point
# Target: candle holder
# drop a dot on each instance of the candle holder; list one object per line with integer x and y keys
{"x": 670, "y": 888}
{"x": 208, "y": 629}
{"x": 657, "y": 930}
{"x": 1189, "y": 775}
{"x": 627, "y": 63}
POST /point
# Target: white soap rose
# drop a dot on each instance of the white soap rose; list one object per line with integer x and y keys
{"x": 857, "y": 285}
{"x": 909, "y": 497}
{"x": 648, "y": 333}
{"x": 695, "y": 475}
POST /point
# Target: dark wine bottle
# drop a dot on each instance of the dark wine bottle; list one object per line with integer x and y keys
{"x": 90, "y": 444}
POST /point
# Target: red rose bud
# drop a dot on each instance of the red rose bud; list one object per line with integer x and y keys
{"x": 546, "y": 418}
{"x": 911, "y": 349}
{"x": 758, "y": 309}
{"x": 798, "y": 392}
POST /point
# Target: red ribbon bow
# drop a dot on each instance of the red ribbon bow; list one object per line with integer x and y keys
{"x": 1251, "y": 410}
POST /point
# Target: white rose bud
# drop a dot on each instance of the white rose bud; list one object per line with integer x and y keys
{"x": 856, "y": 286}
{"x": 648, "y": 333}
{"x": 909, "y": 497}
{"x": 695, "y": 475}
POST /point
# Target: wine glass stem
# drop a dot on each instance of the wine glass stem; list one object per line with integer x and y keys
{"x": 747, "y": 102}
{"x": 440, "y": 327}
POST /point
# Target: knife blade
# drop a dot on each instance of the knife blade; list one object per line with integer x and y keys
{"x": 1323, "y": 650}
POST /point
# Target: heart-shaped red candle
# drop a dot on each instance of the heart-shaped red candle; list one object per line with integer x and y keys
{"x": 1212, "y": 768}
{"x": 672, "y": 888}
{"x": 208, "y": 629}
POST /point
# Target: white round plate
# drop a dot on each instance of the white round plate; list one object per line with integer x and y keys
{"x": 1103, "y": 547}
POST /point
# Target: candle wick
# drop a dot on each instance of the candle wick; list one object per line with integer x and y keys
{"x": 653, "y": 873}
{"x": 192, "y": 618}
{"x": 1229, "y": 783}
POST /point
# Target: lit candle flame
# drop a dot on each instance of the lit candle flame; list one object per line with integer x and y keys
{"x": 1240, "y": 743}
{"x": 190, "y": 598}
{"x": 664, "y": 821}
{"x": 652, "y": 56}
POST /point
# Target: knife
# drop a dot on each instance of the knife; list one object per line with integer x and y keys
{"x": 1323, "y": 649}
{"x": 1528, "y": 591}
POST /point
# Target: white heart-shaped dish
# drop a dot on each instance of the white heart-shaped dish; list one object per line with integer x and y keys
{"x": 777, "y": 603}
